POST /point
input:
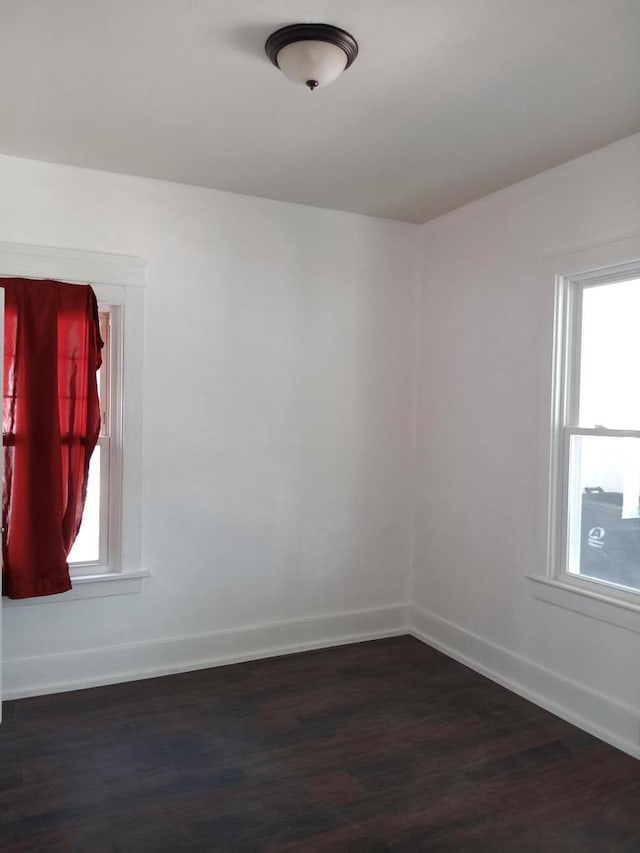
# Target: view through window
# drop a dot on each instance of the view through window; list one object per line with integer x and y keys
{"x": 603, "y": 434}
{"x": 91, "y": 545}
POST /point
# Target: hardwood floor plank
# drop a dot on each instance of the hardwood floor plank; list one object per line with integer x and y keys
{"x": 374, "y": 747}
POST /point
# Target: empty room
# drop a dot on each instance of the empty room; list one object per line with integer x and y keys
{"x": 321, "y": 469}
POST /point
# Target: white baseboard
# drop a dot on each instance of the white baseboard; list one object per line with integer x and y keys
{"x": 596, "y": 713}
{"x": 56, "y": 673}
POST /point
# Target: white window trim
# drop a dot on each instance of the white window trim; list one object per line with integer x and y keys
{"x": 570, "y": 291}
{"x": 117, "y": 280}
{"x": 111, "y": 453}
{"x": 549, "y": 583}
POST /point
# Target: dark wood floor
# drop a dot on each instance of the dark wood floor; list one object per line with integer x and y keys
{"x": 381, "y": 746}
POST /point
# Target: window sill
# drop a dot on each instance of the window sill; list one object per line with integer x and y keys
{"x": 89, "y": 586}
{"x": 595, "y": 605}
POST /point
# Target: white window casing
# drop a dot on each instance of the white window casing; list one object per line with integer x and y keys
{"x": 567, "y": 276}
{"x": 118, "y": 281}
{"x": 565, "y": 556}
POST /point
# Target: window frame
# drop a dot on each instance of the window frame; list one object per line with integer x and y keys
{"x": 110, "y": 442}
{"x": 567, "y": 363}
{"x": 117, "y": 280}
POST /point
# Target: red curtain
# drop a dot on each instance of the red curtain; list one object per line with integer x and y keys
{"x": 50, "y": 424}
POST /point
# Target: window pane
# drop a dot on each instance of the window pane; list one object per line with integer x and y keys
{"x": 86, "y": 548}
{"x": 609, "y": 388}
{"x": 604, "y": 515}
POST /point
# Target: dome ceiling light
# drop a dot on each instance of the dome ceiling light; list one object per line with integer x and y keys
{"x": 312, "y": 54}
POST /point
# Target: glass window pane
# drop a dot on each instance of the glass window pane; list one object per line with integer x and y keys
{"x": 609, "y": 392}
{"x": 604, "y": 514}
{"x": 86, "y": 548}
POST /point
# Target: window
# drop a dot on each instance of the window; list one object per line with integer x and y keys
{"x": 96, "y": 549}
{"x": 119, "y": 284}
{"x": 598, "y": 436}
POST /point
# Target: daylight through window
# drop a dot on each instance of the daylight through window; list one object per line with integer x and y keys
{"x": 91, "y": 550}
{"x": 601, "y": 432}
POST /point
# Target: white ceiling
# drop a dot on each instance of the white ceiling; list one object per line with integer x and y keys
{"x": 447, "y": 101}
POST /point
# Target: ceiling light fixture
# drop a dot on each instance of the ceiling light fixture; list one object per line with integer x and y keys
{"x": 311, "y": 54}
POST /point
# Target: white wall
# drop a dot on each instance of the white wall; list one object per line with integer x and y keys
{"x": 278, "y": 403}
{"x": 277, "y": 415}
{"x": 481, "y": 455}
